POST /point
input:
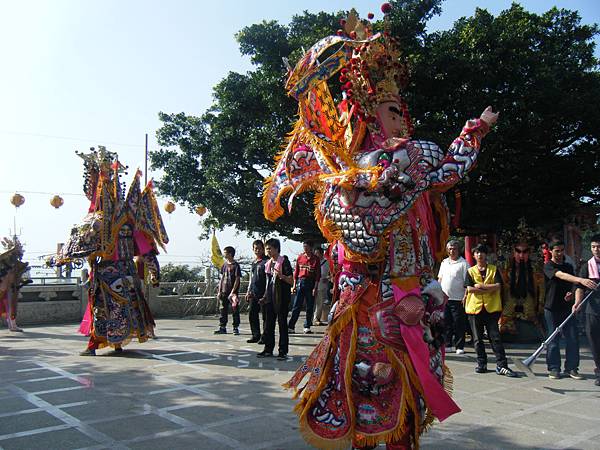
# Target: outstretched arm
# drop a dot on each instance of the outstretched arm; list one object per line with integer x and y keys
{"x": 462, "y": 154}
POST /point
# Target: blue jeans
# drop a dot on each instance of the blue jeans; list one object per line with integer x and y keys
{"x": 569, "y": 333}
{"x": 304, "y": 290}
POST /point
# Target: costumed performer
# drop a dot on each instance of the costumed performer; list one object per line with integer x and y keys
{"x": 378, "y": 374}
{"x": 12, "y": 269}
{"x": 116, "y": 229}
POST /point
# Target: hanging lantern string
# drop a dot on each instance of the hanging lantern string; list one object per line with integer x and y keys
{"x": 39, "y": 193}
{"x": 47, "y": 193}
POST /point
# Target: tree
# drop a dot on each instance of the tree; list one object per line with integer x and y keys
{"x": 180, "y": 272}
{"x": 538, "y": 70}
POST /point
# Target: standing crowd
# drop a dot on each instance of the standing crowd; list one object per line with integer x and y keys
{"x": 475, "y": 300}
{"x": 273, "y": 287}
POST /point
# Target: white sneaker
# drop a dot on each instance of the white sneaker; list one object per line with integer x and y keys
{"x": 307, "y": 331}
{"x": 460, "y": 351}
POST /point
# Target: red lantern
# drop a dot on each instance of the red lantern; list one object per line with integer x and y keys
{"x": 169, "y": 207}
{"x": 57, "y": 201}
{"x": 17, "y": 200}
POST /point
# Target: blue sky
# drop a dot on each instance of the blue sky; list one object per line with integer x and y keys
{"x": 77, "y": 74}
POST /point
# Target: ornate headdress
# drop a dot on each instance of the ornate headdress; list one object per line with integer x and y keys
{"x": 11, "y": 257}
{"x": 110, "y": 208}
{"x": 370, "y": 72}
{"x": 374, "y": 73}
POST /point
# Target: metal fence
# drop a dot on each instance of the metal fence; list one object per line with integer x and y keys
{"x": 197, "y": 298}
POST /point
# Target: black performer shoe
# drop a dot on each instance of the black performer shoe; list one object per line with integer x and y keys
{"x": 281, "y": 357}
{"x": 88, "y": 352}
{"x": 118, "y": 349}
{"x": 264, "y": 354}
{"x": 253, "y": 340}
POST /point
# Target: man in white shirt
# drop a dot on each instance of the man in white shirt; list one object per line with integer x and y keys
{"x": 452, "y": 278}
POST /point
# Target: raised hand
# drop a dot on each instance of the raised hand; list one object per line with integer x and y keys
{"x": 489, "y": 116}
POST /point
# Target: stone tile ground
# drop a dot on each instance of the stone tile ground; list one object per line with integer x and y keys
{"x": 193, "y": 390}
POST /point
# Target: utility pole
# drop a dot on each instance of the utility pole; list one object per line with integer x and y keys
{"x": 146, "y": 162}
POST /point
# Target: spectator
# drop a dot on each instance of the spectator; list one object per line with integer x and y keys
{"x": 558, "y": 283}
{"x": 256, "y": 290}
{"x": 452, "y": 274}
{"x": 591, "y": 270}
{"x": 306, "y": 278}
{"x": 227, "y": 293}
{"x": 276, "y": 300}
{"x": 322, "y": 297}
{"x": 483, "y": 306}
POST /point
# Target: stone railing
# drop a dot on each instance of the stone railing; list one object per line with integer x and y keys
{"x": 52, "y": 300}
{"x": 181, "y": 299}
{"x": 63, "y": 300}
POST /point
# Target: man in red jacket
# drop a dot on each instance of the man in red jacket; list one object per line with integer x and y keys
{"x": 306, "y": 280}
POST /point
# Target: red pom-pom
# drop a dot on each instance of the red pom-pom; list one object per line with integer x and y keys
{"x": 348, "y": 85}
{"x": 353, "y": 34}
{"x": 370, "y": 16}
{"x": 343, "y": 79}
{"x": 343, "y": 22}
{"x": 340, "y": 32}
{"x": 386, "y": 8}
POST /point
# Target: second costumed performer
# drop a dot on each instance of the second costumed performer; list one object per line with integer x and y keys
{"x": 378, "y": 375}
{"x": 119, "y": 237}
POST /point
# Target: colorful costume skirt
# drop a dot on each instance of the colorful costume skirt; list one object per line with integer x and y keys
{"x": 359, "y": 390}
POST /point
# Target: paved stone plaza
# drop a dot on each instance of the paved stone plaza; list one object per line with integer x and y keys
{"x": 193, "y": 390}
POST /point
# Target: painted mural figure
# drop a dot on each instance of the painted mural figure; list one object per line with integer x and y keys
{"x": 522, "y": 291}
{"x": 378, "y": 375}
{"x": 117, "y": 229}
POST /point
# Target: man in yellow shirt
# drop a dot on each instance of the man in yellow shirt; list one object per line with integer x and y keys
{"x": 483, "y": 306}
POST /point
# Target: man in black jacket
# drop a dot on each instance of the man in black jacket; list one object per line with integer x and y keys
{"x": 591, "y": 271}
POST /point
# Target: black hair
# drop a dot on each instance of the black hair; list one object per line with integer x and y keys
{"x": 309, "y": 243}
{"x": 274, "y": 243}
{"x": 258, "y": 243}
{"x": 481, "y": 248}
{"x": 595, "y": 238}
{"x": 555, "y": 243}
{"x": 229, "y": 249}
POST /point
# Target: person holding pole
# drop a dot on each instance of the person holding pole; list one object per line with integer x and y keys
{"x": 558, "y": 281}
{"x": 590, "y": 272}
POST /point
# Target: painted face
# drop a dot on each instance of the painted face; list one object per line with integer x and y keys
{"x": 595, "y": 246}
{"x": 521, "y": 253}
{"x": 391, "y": 118}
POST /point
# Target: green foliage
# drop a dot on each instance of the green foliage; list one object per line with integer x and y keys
{"x": 177, "y": 272}
{"x": 539, "y": 71}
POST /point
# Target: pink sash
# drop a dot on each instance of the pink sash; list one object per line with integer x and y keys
{"x": 278, "y": 264}
{"x": 438, "y": 401}
{"x": 593, "y": 268}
